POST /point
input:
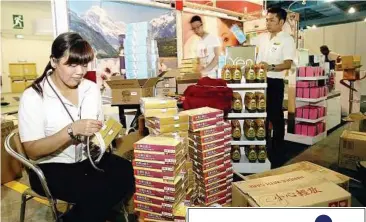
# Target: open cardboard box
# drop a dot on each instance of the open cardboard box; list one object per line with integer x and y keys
{"x": 352, "y": 148}
{"x": 295, "y": 189}
{"x": 129, "y": 91}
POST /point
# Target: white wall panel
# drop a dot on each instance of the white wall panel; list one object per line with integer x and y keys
{"x": 313, "y": 39}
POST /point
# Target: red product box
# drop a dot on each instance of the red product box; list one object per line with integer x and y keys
{"x": 206, "y": 160}
{"x": 213, "y": 185}
{"x": 167, "y": 158}
{"x": 298, "y": 128}
{"x": 214, "y": 198}
{"x": 310, "y": 71}
{"x": 299, "y": 92}
{"x": 207, "y": 153}
{"x": 206, "y": 146}
{"x": 306, "y": 93}
{"x": 165, "y": 210}
{"x": 167, "y": 173}
{"x": 211, "y": 172}
{"x": 313, "y": 113}
{"x": 208, "y": 165}
{"x": 196, "y": 126}
{"x": 206, "y": 139}
{"x": 320, "y": 127}
{"x": 158, "y": 165}
{"x": 218, "y": 189}
{"x": 315, "y": 92}
{"x": 302, "y": 72}
{"x": 153, "y": 200}
{"x": 218, "y": 128}
{"x": 203, "y": 113}
{"x": 211, "y": 180}
{"x": 305, "y": 112}
{"x": 299, "y": 112}
{"x": 160, "y": 183}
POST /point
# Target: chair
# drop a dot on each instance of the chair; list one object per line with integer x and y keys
{"x": 13, "y": 140}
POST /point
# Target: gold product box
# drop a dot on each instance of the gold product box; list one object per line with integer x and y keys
{"x": 167, "y": 128}
{"x": 158, "y": 102}
{"x": 203, "y": 113}
{"x": 168, "y": 120}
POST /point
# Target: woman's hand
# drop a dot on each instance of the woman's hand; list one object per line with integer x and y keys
{"x": 86, "y": 127}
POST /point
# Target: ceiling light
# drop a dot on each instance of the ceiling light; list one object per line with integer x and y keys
{"x": 329, "y": 0}
{"x": 18, "y": 36}
{"x": 351, "y": 10}
{"x": 313, "y": 27}
{"x": 364, "y": 20}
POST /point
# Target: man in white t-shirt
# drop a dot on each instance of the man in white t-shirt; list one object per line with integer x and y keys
{"x": 208, "y": 48}
{"x": 276, "y": 51}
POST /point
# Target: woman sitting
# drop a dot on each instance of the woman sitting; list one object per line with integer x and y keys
{"x": 59, "y": 109}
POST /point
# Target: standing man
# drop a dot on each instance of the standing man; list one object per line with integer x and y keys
{"x": 276, "y": 51}
{"x": 208, "y": 48}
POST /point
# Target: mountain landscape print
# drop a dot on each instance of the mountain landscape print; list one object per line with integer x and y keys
{"x": 103, "y": 22}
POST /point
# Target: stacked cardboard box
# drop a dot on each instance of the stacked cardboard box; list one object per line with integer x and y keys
{"x": 141, "y": 52}
{"x": 158, "y": 106}
{"x": 161, "y": 181}
{"x": 209, "y": 151}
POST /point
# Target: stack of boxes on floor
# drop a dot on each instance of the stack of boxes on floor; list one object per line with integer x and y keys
{"x": 160, "y": 162}
{"x": 209, "y": 151}
{"x": 141, "y": 52}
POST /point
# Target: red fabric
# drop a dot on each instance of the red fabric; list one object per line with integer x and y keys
{"x": 91, "y": 75}
{"x": 213, "y": 93}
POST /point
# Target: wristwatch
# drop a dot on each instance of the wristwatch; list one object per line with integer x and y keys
{"x": 272, "y": 67}
{"x": 71, "y": 132}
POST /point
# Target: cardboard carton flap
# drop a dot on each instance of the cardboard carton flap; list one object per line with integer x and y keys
{"x": 312, "y": 168}
{"x": 117, "y": 82}
{"x": 172, "y": 73}
{"x": 304, "y": 196}
{"x": 150, "y": 82}
{"x": 297, "y": 188}
{"x": 354, "y": 135}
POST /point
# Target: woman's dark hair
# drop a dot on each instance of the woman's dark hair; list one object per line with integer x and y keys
{"x": 69, "y": 44}
{"x": 196, "y": 18}
{"x": 280, "y": 13}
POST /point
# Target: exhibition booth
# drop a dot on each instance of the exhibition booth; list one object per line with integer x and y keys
{"x": 201, "y": 141}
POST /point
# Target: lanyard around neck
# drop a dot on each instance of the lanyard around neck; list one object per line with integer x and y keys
{"x": 63, "y": 104}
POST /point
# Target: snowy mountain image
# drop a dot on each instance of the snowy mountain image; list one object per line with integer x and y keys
{"x": 98, "y": 19}
{"x": 164, "y": 26}
{"x": 104, "y": 33}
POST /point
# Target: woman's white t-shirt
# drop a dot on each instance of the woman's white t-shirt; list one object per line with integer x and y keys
{"x": 40, "y": 117}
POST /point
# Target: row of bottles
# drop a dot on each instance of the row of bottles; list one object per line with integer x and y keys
{"x": 254, "y": 102}
{"x": 252, "y": 74}
{"x": 253, "y": 129}
{"x": 253, "y": 153}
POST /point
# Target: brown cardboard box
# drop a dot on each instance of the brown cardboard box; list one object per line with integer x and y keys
{"x": 10, "y": 167}
{"x": 129, "y": 91}
{"x": 169, "y": 79}
{"x": 295, "y": 189}
{"x": 352, "y": 148}
{"x": 124, "y": 145}
{"x": 166, "y": 91}
{"x": 351, "y": 61}
{"x": 316, "y": 170}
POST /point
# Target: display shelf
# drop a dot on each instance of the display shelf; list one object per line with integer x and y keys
{"x": 308, "y": 140}
{"x": 247, "y": 115}
{"x": 311, "y": 78}
{"x": 244, "y": 166}
{"x": 247, "y": 85}
{"x": 310, "y": 100}
{"x": 245, "y": 142}
{"x": 310, "y": 120}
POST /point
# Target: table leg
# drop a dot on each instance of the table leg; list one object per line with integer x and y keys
{"x": 122, "y": 117}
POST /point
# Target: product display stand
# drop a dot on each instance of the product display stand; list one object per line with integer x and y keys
{"x": 244, "y": 166}
{"x": 310, "y": 111}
